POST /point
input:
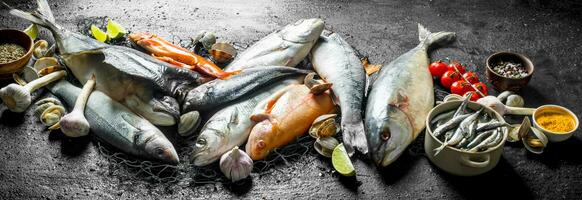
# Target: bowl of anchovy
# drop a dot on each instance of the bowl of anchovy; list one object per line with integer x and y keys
{"x": 15, "y": 51}
{"x": 509, "y": 71}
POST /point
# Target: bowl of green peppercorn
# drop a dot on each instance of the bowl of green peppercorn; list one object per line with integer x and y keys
{"x": 15, "y": 51}
{"x": 509, "y": 71}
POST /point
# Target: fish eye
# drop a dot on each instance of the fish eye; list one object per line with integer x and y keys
{"x": 261, "y": 144}
{"x": 200, "y": 142}
{"x": 385, "y": 135}
{"x": 159, "y": 151}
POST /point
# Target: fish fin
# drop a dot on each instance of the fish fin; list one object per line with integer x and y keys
{"x": 45, "y": 10}
{"x": 427, "y": 38}
{"x": 234, "y": 117}
{"x": 370, "y": 68}
{"x": 39, "y": 17}
{"x": 354, "y": 137}
{"x": 267, "y": 104}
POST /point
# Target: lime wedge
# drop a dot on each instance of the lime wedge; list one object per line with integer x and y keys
{"x": 114, "y": 30}
{"x": 341, "y": 161}
{"x": 32, "y": 31}
{"x": 99, "y": 34}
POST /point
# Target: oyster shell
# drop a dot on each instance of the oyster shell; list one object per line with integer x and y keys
{"x": 222, "y": 52}
{"x": 325, "y": 145}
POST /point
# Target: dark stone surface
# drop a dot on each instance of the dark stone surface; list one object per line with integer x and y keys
{"x": 37, "y": 164}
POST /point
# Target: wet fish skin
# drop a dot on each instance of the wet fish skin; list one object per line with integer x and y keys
{"x": 286, "y": 47}
{"x": 217, "y": 92}
{"x": 145, "y": 85}
{"x": 116, "y": 125}
{"x": 232, "y": 125}
{"x": 336, "y": 62}
{"x": 400, "y": 99}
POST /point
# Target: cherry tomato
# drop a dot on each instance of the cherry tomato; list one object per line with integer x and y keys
{"x": 438, "y": 68}
{"x": 471, "y": 77}
{"x": 449, "y": 78}
{"x": 475, "y": 96}
{"x": 457, "y": 65}
{"x": 461, "y": 87}
{"x": 481, "y": 87}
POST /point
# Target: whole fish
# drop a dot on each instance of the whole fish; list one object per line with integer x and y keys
{"x": 116, "y": 125}
{"x": 232, "y": 125}
{"x": 217, "y": 92}
{"x": 286, "y": 47}
{"x": 336, "y": 62}
{"x": 145, "y": 85}
{"x": 285, "y": 116}
{"x": 400, "y": 99}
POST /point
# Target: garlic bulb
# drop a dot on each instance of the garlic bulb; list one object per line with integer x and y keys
{"x": 236, "y": 164}
{"x": 17, "y": 98}
{"x": 75, "y": 124}
{"x": 515, "y": 100}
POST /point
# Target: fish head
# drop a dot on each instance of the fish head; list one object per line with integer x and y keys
{"x": 258, "y": 144}
{"x": 303, "y": 31}
{"x": 388, "y": 137}
{"x": 206, "y": 149}
{"x": 162, "y": 149}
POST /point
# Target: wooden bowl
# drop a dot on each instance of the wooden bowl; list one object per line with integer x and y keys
{"x": 19, "y": 38}
{"x": 502, "y": 83}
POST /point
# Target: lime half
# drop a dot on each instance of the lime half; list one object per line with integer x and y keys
{"x": 32, "y": 31}
{"x": 114, "y": 30}
{"x": 341, "y": 161}
{"x": 99, "y": 34}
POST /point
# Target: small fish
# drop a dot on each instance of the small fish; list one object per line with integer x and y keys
{"x": 400, "y": 99}
{"x": 460, "y": 133}
{"x": 449, "y": 124}
{"x": 479, "y": 139}
{"x": 116, "y": 125}
{"x": 442, "y": 117}
{"x": 485, "y": 143}
{"x": 490, "y": 125}
{"x": 286, "y": 47}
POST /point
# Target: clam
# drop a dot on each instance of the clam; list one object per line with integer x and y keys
{"x": 324, "y": 126}
{"x": 52, "y": 115}
{"x": 45, "y": 62}
{"x": 325, "y": 145}
{"x": 534, "y": 141}
{"x": 188, "y": 123}
{"x": 49, "y": 69}
{"x": 222, "y": 52}
{"x": 40, "y": 48}
{"x": 27, "y": 75}
{"x": 48, "y": 100}
{"x": 206, "y": 38}
{"x": 518, "y": 131}
{"x": 452, "y": 97}
{"x": 315, "y": 85}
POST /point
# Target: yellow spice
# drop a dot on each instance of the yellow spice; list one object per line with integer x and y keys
{"x": 555, "y": 121}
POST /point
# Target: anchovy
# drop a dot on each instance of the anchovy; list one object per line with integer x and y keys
{"x": 490, "y": 125}
{"x": 486, "y": 143}
{"x": 145, "y": 85}
{"x": 452, "y": 123}
{"x": 217, "y": 92}
{"x": 286, "y": 47}
{"x": 116, "y": 125}
{"x": 400, "y": 99}
{"x": 479, "y": 139}
{"x": 441, "y": 117}
{"x": 231, "y": 126}
{"x": 336, "y": 62}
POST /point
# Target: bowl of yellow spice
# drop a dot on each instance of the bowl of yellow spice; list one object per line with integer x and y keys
{"x": 557, "y": 122}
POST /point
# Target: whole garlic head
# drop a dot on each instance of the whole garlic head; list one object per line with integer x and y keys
{"x": 236, "y": 164}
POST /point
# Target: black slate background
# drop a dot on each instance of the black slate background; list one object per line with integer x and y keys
{"x": 36, "y": 164}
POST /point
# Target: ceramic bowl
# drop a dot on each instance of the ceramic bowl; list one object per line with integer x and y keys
{"x": 502, "y": 83}
{"x": 552, "y": 135}
{"x": 19, "y": 38}
{"x": 456, "y": 161}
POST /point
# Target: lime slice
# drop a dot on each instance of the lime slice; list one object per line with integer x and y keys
{"x": 114, "y": 30}
{"x": 99, "y": 34}
{"x": 341, "y": 161}
{"x": 32, "y": 31}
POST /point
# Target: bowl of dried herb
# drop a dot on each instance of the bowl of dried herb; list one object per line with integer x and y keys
{"x": 15, "y": 51}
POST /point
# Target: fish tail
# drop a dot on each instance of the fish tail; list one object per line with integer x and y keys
{"x": 427, "y": 38}
{"x": 43, "y": 16}
{"x": 354, "y": 137}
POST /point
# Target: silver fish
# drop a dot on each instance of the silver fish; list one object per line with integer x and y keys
{"x": 336, "y": 62}
{"x": 400, "y": 99}
{"x": 231, "y": 126}
{"x": 116, "y": 125}
{"x": 142, "y": 83}
{"x": 217, "y": 92}
{"x": 286, "y": 47}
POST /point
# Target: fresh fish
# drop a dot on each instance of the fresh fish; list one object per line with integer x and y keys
{"x": 441, "y": 117}
{"x": 285, "y": 116}
{"x": 145, "y": 85}
{"x": 116, "y": 125}
{"x": 217, "y": 92}
{"x": 336, "y": 62}
{"x": 461, "y": 131}
{"x": 232, "y": 125}
{"x": 493, "y": 138}
{"x": 452, "y": 123}
{"x": 479, "y": 139}
{"x": 286, "y": 47}
{"x": 400, "y": 99}
{"x": 490, "y": 125}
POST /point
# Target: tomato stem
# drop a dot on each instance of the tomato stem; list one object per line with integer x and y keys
{"x": 466, "y": 80}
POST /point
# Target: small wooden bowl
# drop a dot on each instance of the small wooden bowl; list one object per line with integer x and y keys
{"x": 502, "y": 83}
{"x": 19, "y": 38}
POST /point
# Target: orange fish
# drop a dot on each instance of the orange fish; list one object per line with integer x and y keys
{"x": 284, "y": 117}
{"x": 177, "y": 56}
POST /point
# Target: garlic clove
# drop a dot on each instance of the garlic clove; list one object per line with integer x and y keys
{"x": 515, "y": 100}
{"x": 236, "y": 164}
